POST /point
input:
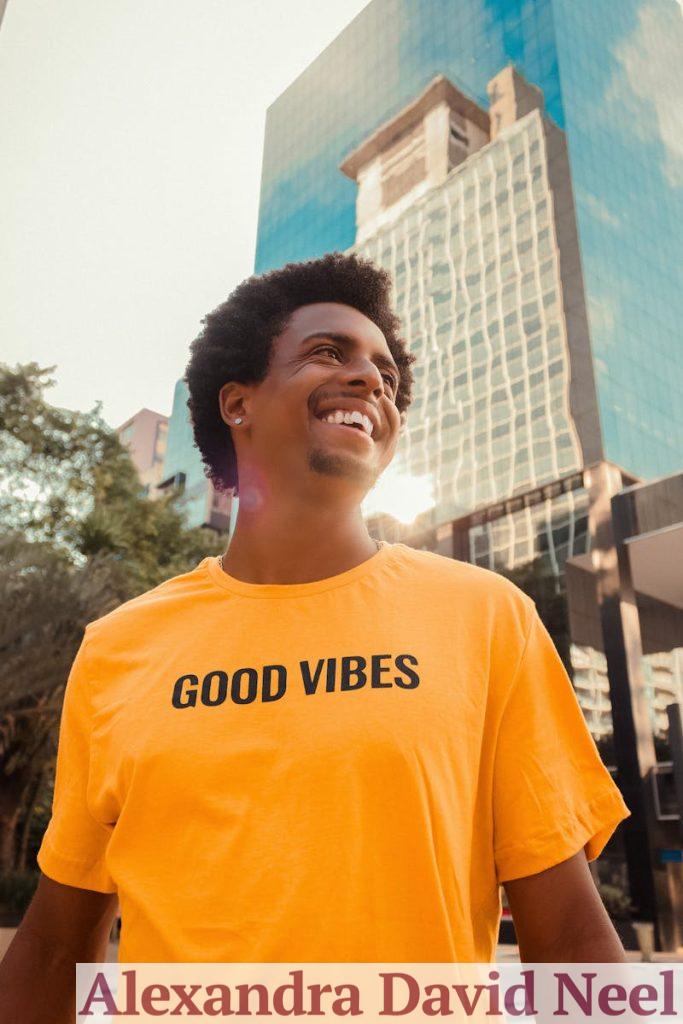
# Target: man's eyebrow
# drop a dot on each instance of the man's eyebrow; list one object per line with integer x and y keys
{"x": 347, "y": 339}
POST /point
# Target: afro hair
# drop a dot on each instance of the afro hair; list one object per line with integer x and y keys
{"x": 237, "y": 340}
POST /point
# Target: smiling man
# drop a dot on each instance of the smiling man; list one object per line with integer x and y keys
{"x": 317, "y": 747}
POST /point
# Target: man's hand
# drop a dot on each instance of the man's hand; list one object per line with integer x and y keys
{"x": 560, "y": 918}
{"x": 62, "y": 927}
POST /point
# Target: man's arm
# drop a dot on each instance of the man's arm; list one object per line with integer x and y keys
{"x": 62, "y": 926}
{"x": 560, "y": 918}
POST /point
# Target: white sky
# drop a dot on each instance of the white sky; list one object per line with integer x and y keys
{"x": 132, "y": 136}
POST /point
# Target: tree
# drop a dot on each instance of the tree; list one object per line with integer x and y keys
{"x": 77, "y": 538}
{"x": 66, "y": 479}
{"x": 548, "y": 592}
{"x": 47, "y": 602}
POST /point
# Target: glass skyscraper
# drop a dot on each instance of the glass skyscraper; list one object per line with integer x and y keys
{"x": 612, "y": 77}
{"x": 518, "y": 168}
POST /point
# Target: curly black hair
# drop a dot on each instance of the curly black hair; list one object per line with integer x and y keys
{"x": 237, "y": 339}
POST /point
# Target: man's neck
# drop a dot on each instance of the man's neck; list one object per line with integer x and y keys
{"x": 287, "y": 543}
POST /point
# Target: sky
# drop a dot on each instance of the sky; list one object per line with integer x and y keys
{"x": 132, "y": 139}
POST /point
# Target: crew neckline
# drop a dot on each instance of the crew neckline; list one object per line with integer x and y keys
{"x": 284, "y": 590}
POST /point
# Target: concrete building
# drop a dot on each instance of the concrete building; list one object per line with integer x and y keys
{"x": 626, "y": 601}
{"x": 144, "y": 434}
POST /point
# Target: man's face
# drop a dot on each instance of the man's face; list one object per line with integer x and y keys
{"x": 329, "y": 364}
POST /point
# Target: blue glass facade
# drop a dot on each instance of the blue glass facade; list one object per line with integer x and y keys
{"x": 387, "y": 55}
{"x": 612, "y": 77}
{"x": 183, "y": 457}
{"x": 621, "y": 70}
{"x": 201, "y": 504}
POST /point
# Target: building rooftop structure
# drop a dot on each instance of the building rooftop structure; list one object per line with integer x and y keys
{"x": 144, "y": 434}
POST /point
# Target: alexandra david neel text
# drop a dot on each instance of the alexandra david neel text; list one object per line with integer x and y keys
{"x": 552, "y": 992}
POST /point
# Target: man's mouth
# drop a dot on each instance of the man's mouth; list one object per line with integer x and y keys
{"x": 355, "y": 420}
{"x": 349, "y": 418}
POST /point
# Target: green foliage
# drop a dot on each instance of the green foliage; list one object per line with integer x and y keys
{"x": 37, "y": 822}
{"x": 16, "y": 892}
{"x": 548, "y": 593}
{"x": 616, "y": 901}
{"x": 48, "y": 459}
{"x": 77, "y": 538}
{"x": 67, "y": 481}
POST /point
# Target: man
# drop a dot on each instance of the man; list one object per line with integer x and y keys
{"x": 317, "y": 748}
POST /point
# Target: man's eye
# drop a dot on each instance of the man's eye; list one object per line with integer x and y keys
{"x": 388, "y": 377}
{"x": 327, "y": 348}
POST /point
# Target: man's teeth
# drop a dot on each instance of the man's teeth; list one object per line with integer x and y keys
{"x": 342, "y": 416}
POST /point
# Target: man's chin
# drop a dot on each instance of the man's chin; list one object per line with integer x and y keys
{"x": 335, "y": 464}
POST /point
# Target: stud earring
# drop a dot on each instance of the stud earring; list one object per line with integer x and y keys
{"x": 238, "y": 419}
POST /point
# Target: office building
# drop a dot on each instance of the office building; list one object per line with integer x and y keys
{"x": 183, "y": 472}
{"x": 471, "y": 212}
{"x": 626, "y": 607}
{"x": 502, "y": 160}
{"x": 612, "y": 76}
{"x": 472, "y": 216}
{"x": 144, "y": 434}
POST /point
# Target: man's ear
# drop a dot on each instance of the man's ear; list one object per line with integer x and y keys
{"x": 233, "y": 403}
{"x": 404, "y": 420}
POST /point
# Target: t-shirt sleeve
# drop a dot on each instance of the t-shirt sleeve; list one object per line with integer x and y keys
{"x": 74, "y": 846}
{"x": 552, "y": 795}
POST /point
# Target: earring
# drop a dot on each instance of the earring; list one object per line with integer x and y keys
{"x": 238, "y": 419}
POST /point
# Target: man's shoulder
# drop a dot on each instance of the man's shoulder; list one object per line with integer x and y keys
{"x": 154, "y": 606}
{"x": 470, "y": 601}
{"x": 476, "y": 582}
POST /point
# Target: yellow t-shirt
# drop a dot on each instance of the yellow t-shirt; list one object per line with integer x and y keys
{"x": 342, "y": 770}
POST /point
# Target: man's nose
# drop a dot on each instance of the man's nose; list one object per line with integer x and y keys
{"x": 364, "y": 372}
